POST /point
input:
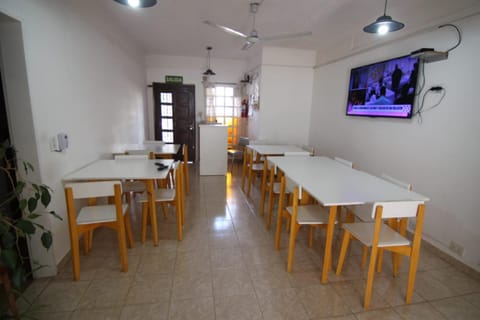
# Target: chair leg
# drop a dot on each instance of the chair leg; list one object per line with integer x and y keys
{"x": 370, "y": 276}
{"x": 364, "y": 257}
{"x": 145, "y": 213}
{"x": 178, "y": 210}
{"x": 311, "y": 234}
{"x": 164, "y": 211}
{"x": 271, "y": 199}
{"x": 380, "y": 260}
{"x": 76, "y": 257}
{"x": 122, "y": 243}
{"x": 249, "y": 182}
{"x": 86, "y": 242}
{"x": 343, "y": 251}
{"x": 291, "y": 245}
{"x": 128, "y": 229}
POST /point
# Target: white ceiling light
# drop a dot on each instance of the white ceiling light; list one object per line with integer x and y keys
{"x": 384, "y": 24}
{"x": 137, "y": 3}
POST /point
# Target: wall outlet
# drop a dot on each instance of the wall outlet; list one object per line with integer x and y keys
{"x": 456, "y": 248}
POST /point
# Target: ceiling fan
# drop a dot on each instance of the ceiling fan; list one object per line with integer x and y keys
{"x": 253, "y": 37}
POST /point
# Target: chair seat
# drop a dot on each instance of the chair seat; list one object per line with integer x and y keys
{"x": 311, "y": 214}
{"x": 234, "y": 152}
{"x": 364, "y": 233}
{"x": 257, "y": 167}
{"x": 133, "y": 186}
{"x": 98, "y": 214}
{"x": 160, "y": 195}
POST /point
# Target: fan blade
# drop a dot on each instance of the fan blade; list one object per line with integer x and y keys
{"x": 226, "y": 29}
{"x": 286, "y": 36}
{"x": 247, "y": 45}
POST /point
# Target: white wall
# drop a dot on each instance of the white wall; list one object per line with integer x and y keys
{"x": 85, "y": 79}
{"x": 286, "y": 82}
{"x": 439, "y": 156}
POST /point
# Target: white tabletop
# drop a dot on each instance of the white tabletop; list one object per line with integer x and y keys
{"x": 158, "y": 149}
{"x": 120, "y": 169}
{"x": 334, "y": 184}
{"x": 274, "y": 149}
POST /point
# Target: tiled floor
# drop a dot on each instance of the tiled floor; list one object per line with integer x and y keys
{"x": 226, "y": 268}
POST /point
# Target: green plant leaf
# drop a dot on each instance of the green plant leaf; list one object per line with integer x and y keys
{"x": 19, "y": 278}
{"x": 33, "y": 216}
{"x": 47, "y": 239}
{"x": 26, "y": 226}
{"x": 9, "y": 258}
{"x": 32, "y": 204}
{"x": 45, "y": 198}
{"x": 8, "y": 240}
{"x": 20, "y": 186}
{"x": 22, "y": 204}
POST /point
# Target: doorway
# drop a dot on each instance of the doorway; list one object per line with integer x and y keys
{"x": 174, "y": 113}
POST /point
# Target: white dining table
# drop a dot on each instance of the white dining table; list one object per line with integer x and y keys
{"x": 146, "y": 170}
{"x": 166, "y": 150}
{"x": 334, "y": 184}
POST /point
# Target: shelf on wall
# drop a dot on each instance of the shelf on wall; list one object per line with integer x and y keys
{"x": 431, "y": 56}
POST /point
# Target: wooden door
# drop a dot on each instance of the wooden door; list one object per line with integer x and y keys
{"x": 174, "y": 114}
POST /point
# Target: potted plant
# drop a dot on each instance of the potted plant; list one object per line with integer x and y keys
{"x": 22, "y": 203}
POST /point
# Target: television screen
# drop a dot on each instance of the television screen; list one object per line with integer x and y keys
{"x": 383, "y": 89}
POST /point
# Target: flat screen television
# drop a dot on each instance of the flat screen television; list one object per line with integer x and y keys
{"x": 383, "y": 89}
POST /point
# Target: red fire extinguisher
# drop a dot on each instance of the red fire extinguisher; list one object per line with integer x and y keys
{"x": 244, "y": 112}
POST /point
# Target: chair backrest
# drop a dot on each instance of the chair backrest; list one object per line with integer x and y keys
{"x": 297, "y": 153}
{"x": 310, "y": 150}
{"x": 344, "y": 162}
{"x": 399, "y": 183}
{"x": 83, "y": 190}
{"x": 243, "y": 141}
{"x": 397, "y": 209}
{"x": 131, "y": 157}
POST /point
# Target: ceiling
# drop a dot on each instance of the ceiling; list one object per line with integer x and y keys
{"x": 175, "y": 27}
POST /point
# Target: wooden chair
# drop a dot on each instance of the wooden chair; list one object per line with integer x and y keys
{"x": 93, "y": 216}
{"x": 255, "y": 167}
{"x": 378, "y": 235}
{"x": 173, "y": 196}
{"x": 132, "y": 187}
{"x": 237, "y": 151}
{"x": 272, "y": 185}
{"x": 304, "y": 211}
{"x": 364, "y": 212}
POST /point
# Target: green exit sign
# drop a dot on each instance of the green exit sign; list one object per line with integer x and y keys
{"x": 173, "y": 79}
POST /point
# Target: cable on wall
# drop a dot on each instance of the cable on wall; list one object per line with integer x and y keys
{"x": 421, "y": 108}
{"x": 458, "y": 33}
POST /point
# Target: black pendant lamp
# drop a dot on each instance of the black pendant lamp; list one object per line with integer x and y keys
{"x": 209, "y": 71}
{"x": 137, "y": 3}
{"x": 383, "y": 24}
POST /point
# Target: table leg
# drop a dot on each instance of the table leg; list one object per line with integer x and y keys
{"x": 153, "y": 210}
{"x": 327, "y": 257}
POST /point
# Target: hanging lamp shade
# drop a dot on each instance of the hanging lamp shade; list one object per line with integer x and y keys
{"x": 137, "y": 3}
{"x": 209, "y": 71}
{"x": 383, "y": 24}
